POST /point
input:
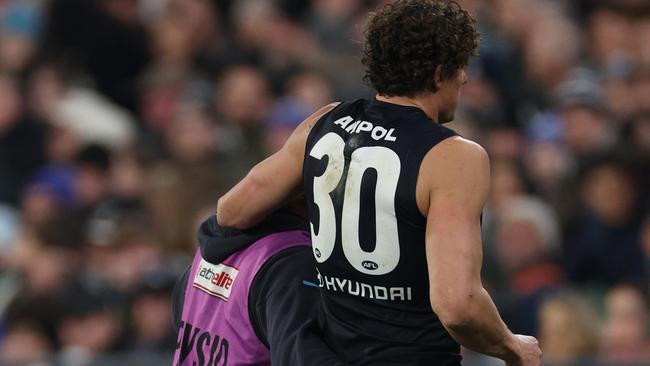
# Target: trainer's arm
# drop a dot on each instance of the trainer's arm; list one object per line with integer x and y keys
{"x": 270, "y": 182}
{"x": 457, "y": 194}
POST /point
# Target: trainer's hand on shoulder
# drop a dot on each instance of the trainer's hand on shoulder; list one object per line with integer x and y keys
{"x": 528, "y": 352}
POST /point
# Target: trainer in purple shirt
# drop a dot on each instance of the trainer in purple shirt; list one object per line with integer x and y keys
{"x": 249, "y": 298}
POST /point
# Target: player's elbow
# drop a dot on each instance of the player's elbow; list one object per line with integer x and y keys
{"x": 454, "y": 318}
{"x": 233, "y": 208}
{"x": 231, "y": 216}
{"x": 225, "y": 217}
{"x": 455, "y": 311}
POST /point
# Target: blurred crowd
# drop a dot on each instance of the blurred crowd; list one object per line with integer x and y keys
{"x": 123, "y": 121}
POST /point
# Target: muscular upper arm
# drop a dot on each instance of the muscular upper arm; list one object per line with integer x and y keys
{"x": 456, "y": 178}
{"x": 270, "y": 182}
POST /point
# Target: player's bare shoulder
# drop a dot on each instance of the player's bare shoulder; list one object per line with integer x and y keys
{"x": 296, "y": 143}
{"x": 457, "y": 150}
{"x": 310, "y": 121}
{"x": 455, "y": 164}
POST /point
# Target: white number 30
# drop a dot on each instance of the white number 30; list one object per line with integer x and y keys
{"x": 385, "y": 257}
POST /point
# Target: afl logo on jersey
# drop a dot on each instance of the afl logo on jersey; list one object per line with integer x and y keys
{"x": 369, "y": 265}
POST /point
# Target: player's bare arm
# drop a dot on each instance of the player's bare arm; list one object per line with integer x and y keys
{"x": 452, "y": 199}
{"x": 270, "y": 182}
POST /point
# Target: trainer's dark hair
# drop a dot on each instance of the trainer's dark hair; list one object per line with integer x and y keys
{"x": 406, "y": 40}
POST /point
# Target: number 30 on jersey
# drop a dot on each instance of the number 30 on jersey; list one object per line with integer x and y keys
{"x": 385, "y": 257}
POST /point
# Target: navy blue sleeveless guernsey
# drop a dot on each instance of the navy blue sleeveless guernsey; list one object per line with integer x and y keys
{"x": 362, "y": 162}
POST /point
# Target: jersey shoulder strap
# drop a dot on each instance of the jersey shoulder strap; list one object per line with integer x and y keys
{"x": 342, "y": 108}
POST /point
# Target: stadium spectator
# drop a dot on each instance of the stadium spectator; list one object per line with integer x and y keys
{"x": 526, "y": 245}
{"x": 151, "y": 308}
{"x": 26, "y": 340}
{"x": 20, "y": 28}
{"x": 603, "y": 247}
{"x": 569, "y": 330}
{"x": 21, "y": 141}
{"x": 90, "y": 325}
{"x": 625, "y": 332}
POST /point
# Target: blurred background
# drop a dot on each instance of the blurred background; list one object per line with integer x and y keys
{"x": 123, "y": 121}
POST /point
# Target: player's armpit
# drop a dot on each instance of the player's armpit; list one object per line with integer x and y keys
{"x": 270, "y": 182}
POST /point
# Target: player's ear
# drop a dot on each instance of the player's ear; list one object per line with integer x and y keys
{"x": 437, "y": 77}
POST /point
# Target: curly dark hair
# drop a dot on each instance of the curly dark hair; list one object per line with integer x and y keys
{"x": 405, "y": 41}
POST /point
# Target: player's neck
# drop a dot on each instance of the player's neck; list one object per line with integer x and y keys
{"x": 428, "y": 108}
